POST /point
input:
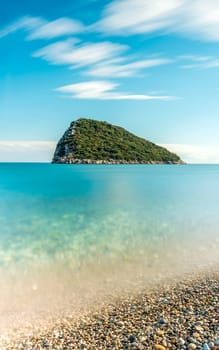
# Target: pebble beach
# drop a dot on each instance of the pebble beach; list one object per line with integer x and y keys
{"x": 181, "y": 315}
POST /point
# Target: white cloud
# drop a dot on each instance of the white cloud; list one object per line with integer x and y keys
{"x": 103, "y": 90}
{"x": 10, "y": 145}
{"x": 27, "y": 23}
{"x": 139, "y": 16}
{"x": 40, "y": 28}
{"x": 109, "y": 69}
{"x": 106, "y": 58}
{"x": 26, "y": 151}
{"x": 199, "y": 18}
{"x": 57, "y": 28}
{"x": 70, "y": 53}
{"x": 194, "y": 153}
{"x": 199, "y": 62}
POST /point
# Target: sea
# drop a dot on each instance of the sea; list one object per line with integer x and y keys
{"x": 73, "y": 237}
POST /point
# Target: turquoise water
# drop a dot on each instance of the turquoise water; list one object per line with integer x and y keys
{"x": 71, "y": 234}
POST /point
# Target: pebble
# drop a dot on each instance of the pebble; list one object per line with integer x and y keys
{"x": 160, "y": 332}
{"x": 163, "y": 321}
{"x": 181, "y": 341}
{"x": 176, "y": 317}
{"x": 132, "y": 339}
{"x": 191, "y": 346}
{"x": 159, "y": 347}
{"x": 206, "y": 347}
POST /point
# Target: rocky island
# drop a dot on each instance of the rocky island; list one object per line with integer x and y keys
{"x": 89, "y": 141}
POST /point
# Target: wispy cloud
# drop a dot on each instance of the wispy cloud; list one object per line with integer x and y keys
{"x": 195, "y": 153}
{"x": 26, "y": 23}
{"x": 69, "y": 52}
{"x": 57, "y": 28}
{"x": 99, "y": 59}
{"x": 197, "y": 18}
{"x": 109, "y": 69}
{"x": 103, "y": 90}
{"x": 25, "y": 146}
{"x": 106, "y": 59}
{"x": 26, "y": 151}
{"x": 199, "y": 62}
{"x": 138, "y": 16}
{"x": 40, "y": 28}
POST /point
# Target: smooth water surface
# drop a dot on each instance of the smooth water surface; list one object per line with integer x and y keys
{"x": 71, "y": 234}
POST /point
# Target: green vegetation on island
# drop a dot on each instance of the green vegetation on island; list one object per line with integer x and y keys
{"x": 92, "y": 141}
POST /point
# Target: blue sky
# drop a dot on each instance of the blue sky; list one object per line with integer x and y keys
{"x": 149, "y": 66}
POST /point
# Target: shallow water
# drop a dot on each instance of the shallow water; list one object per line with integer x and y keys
{"x": 71, "y": 235}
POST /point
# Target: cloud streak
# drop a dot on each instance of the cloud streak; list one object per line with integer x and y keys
{"x": 57, "y": 28}
{"x": 69, "y": 52}
{"x": 102, "y": 59}
{"x": 197, "y": 18}
{"x": 109, "y": 69}
{"x": 26, "y": 151}
{"x": 103, "y": 90}
{"x": 40, "y": 28}
{"x": 26, "y": 23}
{"x": 106, "y": 59}
{"x": 199, "y": 62}
{"x": 194, "y": 153}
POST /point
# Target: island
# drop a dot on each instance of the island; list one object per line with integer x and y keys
{"x": 89, "y": 141}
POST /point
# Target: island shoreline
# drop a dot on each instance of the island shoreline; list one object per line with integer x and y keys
{"x": 66, "y": 160}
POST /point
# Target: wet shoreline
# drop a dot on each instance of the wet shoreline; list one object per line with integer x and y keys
{"x": 181, "y": 315}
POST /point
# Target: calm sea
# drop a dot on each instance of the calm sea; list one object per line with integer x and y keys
{"x": 73, "y": 234}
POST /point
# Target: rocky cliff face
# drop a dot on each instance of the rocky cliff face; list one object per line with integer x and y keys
{"x": 93, "y": 142}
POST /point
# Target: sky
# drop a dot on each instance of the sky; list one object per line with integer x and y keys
{"x": 150, "y": 66}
